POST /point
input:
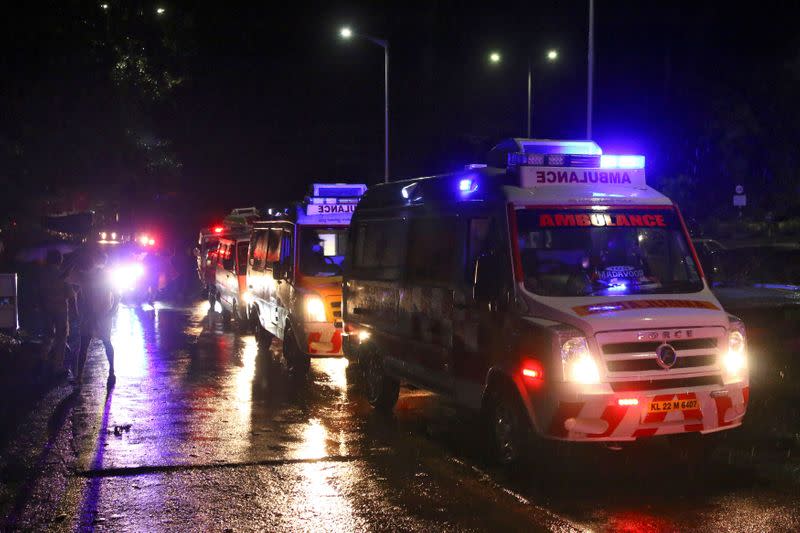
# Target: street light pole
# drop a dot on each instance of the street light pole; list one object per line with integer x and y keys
{"x": 530, "y": 98}
{"x": 347, "y": 33}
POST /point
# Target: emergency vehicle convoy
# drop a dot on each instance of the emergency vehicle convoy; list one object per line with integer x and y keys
{"x": 553, "y": 290}
{"x": 294, "y": 274}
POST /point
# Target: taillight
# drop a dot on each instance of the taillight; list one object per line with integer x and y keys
{"x": 627, "y": 402}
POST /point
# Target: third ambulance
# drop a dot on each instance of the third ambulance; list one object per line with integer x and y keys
{"x": 553, "y": 290}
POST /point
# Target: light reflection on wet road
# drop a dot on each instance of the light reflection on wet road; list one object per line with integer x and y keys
{"x": 203, "y": 432}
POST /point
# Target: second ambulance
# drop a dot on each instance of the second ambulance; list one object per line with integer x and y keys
{"x": 294, "y": 274}
{"x": 553, "y": 290}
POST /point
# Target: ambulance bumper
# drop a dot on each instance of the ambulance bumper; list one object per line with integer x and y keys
{"x": 322, "y": 339}
{"x": 602, "y": 417}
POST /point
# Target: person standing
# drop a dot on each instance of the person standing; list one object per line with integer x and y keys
{"x": 97, "y": 305}
{"x": 56, "y": 295}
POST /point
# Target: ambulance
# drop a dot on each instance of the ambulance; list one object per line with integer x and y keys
{"x": 553, "y": 290}
{"x": 294, "y": 274}
{"x": 238, "y": 221}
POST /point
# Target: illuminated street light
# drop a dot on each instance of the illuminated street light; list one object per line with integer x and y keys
{"x": 347, "y": 33}
{"x": 160, "y": 11}
{"x": 552, "y": 56}
{"x": 104, "y": 7}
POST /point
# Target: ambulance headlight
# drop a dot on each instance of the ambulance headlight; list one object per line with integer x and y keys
{"x": 579, "y": 365}
{"x": 315, "y": 308}
{"x": 734, "y": 360}
{"x": 124, "y": 277}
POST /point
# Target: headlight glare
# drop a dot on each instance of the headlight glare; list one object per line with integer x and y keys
{"x": 579, "y": 365}
{"x": 315, "y": 309}
{"x": 734, "y": 361}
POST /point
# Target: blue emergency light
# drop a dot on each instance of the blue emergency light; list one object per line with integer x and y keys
{"x": 621, "y": 161}
{"x": 339, "y": 190}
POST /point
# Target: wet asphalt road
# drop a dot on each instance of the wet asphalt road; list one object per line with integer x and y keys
{"x": 204, "y": 433}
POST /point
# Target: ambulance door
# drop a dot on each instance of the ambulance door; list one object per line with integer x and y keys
{"x": 481, "y": 310}
{"x": 256, "y": 275}
{"x": 283, "y": 270}
{"x": 272, "y": 261}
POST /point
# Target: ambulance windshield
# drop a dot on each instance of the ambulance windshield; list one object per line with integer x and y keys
{"x": 609, "y": 252}
{"x": 322, "y": 251}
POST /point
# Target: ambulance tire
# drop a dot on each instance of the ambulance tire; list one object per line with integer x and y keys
{"x": 382, "y": 390}
{"x": 510, "y": 436}
{"x": 240, "y": 318}
{"x": 297, "y": 362}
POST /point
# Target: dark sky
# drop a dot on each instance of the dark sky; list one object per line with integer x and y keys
{"x": 273, "y": 100}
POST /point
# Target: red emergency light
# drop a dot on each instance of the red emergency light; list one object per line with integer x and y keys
{"x": 218, "y": 229}
{"x": 532, "y": 370}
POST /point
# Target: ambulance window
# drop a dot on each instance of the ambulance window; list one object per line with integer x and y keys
{"x": 259, "y": 250}
{"x": 477, "y": 242}
{"x": 432, "y": 250}
{"x": 285, "y": 253}
{"x": 379, "y": 248}
{"x": 241, "y": 258}
{"x": 274, "y": 246}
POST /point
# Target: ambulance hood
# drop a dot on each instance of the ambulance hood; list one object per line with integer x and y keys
{"x": 596, "y": 314}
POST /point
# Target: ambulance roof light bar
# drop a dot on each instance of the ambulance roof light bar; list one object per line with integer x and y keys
{"x": 339, "y": 190}
{"x": 622, "y": 161}
{"x": 549, "y": 146}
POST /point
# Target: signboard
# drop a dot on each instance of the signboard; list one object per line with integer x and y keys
{"x": 597, "y": 177}
{"x": 329, "y": 209}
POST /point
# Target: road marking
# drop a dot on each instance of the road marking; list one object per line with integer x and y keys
{"x": 484, "y": 477}
{"x": 126, "y": 471}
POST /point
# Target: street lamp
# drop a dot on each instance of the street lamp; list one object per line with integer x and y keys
{"x": 552, "y": 56}
{"x": 160, "y": 11}
{"x": 104, "y": 7}
{"x": 347, "y": 33}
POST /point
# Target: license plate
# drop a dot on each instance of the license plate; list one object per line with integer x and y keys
{"x": 665, "y": 406}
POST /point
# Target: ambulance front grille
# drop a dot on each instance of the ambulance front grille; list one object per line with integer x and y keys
{"x": 644, "y": 365}
{"x": 632, "y": 363}
{"x": 659, "y": 384}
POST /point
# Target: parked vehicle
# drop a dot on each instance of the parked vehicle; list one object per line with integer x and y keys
{"x": 554, "y": 291}
{"x": 294, "y": 274}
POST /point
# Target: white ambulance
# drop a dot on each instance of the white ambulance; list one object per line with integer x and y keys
{"x": 294, "y": 273}
{"x": 554, "y": 290}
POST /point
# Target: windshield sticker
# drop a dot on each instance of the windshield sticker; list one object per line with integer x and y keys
{"x": 601, "y": 220}
{"x": 621, "y": 272}
{"x": 584, "y": 310}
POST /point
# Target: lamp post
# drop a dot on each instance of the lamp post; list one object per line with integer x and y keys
{"x": 552, "y": 55}
{"x": 347, "y": 33}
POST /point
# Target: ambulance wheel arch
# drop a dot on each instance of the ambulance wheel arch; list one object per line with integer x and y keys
{"x": 511, "y": 433}
{"x": 499, "y": 380}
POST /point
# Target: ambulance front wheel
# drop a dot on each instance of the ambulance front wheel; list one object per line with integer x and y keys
{"x": 297, "y": 361}
{"x": 508, "y": 427}
{"x": 382, "y": 390}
